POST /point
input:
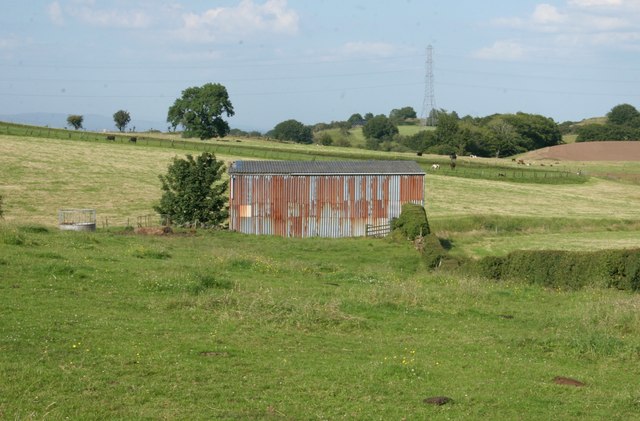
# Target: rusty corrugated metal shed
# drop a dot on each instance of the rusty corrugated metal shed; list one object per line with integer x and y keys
{"x": 326, "y": 199}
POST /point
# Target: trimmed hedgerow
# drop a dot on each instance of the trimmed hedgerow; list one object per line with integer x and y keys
{"x": 566, "y": 269}
{"x": 432, "y": 251}
{"x": 412, "y": 222}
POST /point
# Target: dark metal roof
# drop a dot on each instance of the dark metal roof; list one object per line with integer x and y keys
{"x": 326, "y": 167}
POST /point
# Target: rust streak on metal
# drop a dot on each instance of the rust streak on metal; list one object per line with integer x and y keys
{"x": 315, "y": 204}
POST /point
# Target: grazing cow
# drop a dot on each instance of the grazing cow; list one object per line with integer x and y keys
{"x": 472, "y": 156}
{"x": 419, "y": 153}
{"x": 133, "y": 139}
{"x": 435, "y": 167}
{"x": 110, "y": 137}
{"x": 520, "y": 161}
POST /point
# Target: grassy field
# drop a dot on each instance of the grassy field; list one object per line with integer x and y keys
{"x": 39, "y": 176}
{"x": 224, "y": 326}
{"x": 218, "y": 325}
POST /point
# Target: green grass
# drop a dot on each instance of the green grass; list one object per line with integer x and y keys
{"x": 219, "y": 325}
{"x": 38, "y": 176}
{"x": 227, "y": 326}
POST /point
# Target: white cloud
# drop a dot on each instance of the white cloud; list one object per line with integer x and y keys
{"x": 578, "y": 24}
{"x": 502, "y": 50}
{"x": 545, "y": 14}
{"x": 378, "y": 49}
{"x": 598, "y": 3}
{"x": 11, "y": 45}
{"x": 55, "y": 13}
{"x": 86, "y": 12}
{"x": 248, "y": 18}
{"x": 112, "y": 18}
{"x": 8, "y": 43}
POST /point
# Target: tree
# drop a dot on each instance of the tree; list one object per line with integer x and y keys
{"x": 325, "y": 139}
{"x": 419, "y": 142}
{"x": 503, "y": 138}
{"x": 75, "y": 121}
{"x": 604, "y": 132}
{"x": 356, "y": 120}
{"x": 535, "y": 131}
{"x": 199, "y": 110}
{"x": 194, "y": 191}
{"x": 121, "y": 118}
{"x": 622, "y": 114}
{"x": 378, "y": 129}
{"x": 402, "y": 114}
{"x": 294, "y": 131}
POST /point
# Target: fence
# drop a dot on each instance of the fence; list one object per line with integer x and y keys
{"x": 377, "y": 230}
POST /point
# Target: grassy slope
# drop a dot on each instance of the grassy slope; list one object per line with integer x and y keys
{"x": 226, "y": 326}
{"x": 39, "y": 176}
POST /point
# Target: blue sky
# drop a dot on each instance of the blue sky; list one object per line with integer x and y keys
{"x": 322, "y": 60}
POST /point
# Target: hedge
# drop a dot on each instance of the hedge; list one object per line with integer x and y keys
{"x": 565, "y": 269}
{"x": 412, "y": 222}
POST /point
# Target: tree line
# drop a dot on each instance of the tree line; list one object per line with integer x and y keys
{"x": 200, "y": 113}
{"x": 623, "y": 123}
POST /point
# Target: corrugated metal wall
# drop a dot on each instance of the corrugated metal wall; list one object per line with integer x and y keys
{"x": 318, "y": 205}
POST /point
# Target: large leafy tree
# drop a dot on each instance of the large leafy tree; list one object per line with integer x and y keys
{"x": 356, "y": 120}
{"x": 623, "y": 114}
{"x": 194, "y": 191}
{"x": 378, "y": 129}
{"x": 122, "y": 118}
{"x": 292, "y": 130}
{"x": 199, "y": 110}
{"x": 75, "y": 121}
{"x": 535, "y": 131}
{"x": 502, "y": 138}
{"x": 402, "y": 114}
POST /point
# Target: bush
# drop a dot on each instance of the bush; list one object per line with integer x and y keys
{"x": 565, "y": 269}
{"x": 412, "y": 222}
{"x": 432, "y": 251}
{"x": 194, "y": 191}
{"x": 622, "y": 269}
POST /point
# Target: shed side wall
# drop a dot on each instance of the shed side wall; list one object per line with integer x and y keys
{"x": 318, "y": 205}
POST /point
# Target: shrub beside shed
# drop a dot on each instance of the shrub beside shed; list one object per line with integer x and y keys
{"x": 316, "y": 198}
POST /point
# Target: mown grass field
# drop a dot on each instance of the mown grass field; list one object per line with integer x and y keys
{"x": 225, "y": 326}
{"x": 217, "y": 325}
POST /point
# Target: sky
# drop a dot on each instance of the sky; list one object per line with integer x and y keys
{"x": 321, "y": 60}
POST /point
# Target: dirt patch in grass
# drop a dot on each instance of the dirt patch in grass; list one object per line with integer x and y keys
{"x": 567, "y": 381}
{"x": 590, "y": 151}
{"x": 153, "y": 231}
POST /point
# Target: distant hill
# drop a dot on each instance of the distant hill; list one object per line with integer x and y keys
{"x": 592, "y": 120}
{"x": 91, "y": 122}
